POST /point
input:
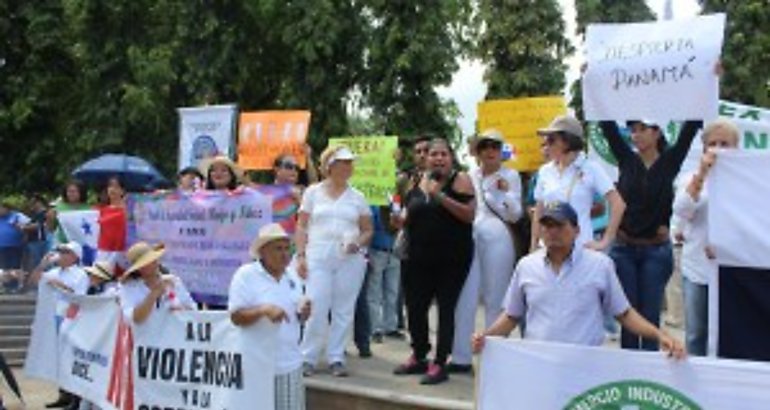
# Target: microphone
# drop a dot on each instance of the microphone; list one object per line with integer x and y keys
{"x": 435, "y": 175}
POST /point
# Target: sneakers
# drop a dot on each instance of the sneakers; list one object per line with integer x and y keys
{"x": 338, "y": 369}
{"x": 436, "y": 374}
{"x": 365, "y": 353}
{"x": 411, "y": 366}
{"x": 307, "y": 369}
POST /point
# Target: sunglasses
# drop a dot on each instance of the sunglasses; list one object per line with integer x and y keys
{"x": 289, "y": 166}
{"x": 489, "y": 144}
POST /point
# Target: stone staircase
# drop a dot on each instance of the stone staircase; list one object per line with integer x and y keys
{"x": 16, "y": 314}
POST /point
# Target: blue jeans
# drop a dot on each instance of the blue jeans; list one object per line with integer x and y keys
{"x": 643, "y": 271}
{"x": 383, "y": 280}
{"x": 696, "y": 316}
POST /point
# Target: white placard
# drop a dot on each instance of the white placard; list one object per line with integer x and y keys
{"x": 653, "y": 71}
{"x": 205, "y": 132}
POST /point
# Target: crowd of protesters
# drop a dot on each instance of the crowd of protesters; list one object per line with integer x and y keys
{"x": 447, "y": 238}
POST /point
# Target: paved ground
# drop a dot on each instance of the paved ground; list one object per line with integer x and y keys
{"x": 371, "y": 376}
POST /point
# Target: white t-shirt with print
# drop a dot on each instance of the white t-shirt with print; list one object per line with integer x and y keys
{"x": 577, "y": 185}
{"x": 253, "y": 286}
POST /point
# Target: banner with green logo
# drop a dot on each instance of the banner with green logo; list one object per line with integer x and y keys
{"x": 517, "y": 374}
{"x": 375, "y": 166}
{"x": 753, "y": 123}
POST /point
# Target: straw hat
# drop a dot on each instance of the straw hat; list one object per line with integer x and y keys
{"x": 104, "y": 270}
{"x": 221, "y": 159}
{"x": 491, "y": 135}
{"x": 268, "y": 233}
{"x": 141, "y": 255}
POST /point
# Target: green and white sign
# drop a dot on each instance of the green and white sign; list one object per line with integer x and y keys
{"x": 531, "y": 375}
{"x": 632, "y": 395}
{"x": 753, "y": 123}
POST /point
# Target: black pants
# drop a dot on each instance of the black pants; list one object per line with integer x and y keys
{"x": 424, "y": 281}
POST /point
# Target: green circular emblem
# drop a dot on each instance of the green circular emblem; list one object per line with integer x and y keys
{"x": 598, "y": 143}
{"x": 632, "y": 395}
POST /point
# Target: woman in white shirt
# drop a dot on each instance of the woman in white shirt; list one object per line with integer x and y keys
{"x": 698, "y": 260}
{"x": 498, "y": 190}
{"x": 144, "y": 288}
{"x": 333, "y": 230}
{"x": 573, "y": 178}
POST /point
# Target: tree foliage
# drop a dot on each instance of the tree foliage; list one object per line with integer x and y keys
{"x": 746, "y": 51}
{"x": 524, "y": 46}
{"x": 83, "y": 77}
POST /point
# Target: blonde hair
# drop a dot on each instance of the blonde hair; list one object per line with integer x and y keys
{"x": 723, "y": 125}
{"x": 326, "y": 155}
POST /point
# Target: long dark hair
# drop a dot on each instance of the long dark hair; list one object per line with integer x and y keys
{"x": 77, "y": 184}
{"x": 231, "y": 185}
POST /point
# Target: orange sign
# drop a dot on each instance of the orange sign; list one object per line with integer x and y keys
{"x": 265, "y": 135}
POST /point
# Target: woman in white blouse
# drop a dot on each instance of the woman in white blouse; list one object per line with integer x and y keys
{"x": 573, "y": 178}
{"x": 498, "y": 193}
{"x": 333, "y": 230}
{"x": 698, "y": 259}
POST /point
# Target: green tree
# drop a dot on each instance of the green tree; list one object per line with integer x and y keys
{"x": 413, "y": 48}
{"x": 524, "y": 47}
{"x": 746, "y": 50}
{"x": 604, "y": 11}
{"x": 36, "y": 75}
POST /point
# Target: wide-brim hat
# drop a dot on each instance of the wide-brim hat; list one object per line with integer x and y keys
{"x": 221, "y": 159}
{"x": 142, "y": 254}
{"x": 268, "y": 233}
{"x": 104, "y": 270}
{"x": 563, "y": 123}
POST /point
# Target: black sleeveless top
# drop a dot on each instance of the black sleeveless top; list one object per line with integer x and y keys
{"x": 435, "y": 235}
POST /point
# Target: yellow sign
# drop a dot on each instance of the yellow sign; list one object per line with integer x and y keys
{"x": 375, "y": 167}
{"x": 519, "y": 120}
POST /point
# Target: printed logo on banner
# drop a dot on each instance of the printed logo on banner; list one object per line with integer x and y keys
{"x": 632, "y": 395}
{"x": 599, "y": 144}
{"x": 204, "y": 147}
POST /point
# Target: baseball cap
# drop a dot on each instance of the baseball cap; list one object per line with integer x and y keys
{"x": 560, "y": 212}
{"x": 73, "y": 247}
{"x": 645, "y": 121}
{"x": 563, "y": 123}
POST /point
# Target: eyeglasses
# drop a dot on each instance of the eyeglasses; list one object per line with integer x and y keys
{"x": 289, "y": 166}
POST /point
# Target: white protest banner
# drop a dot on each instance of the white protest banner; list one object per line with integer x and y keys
{"x": 87, "y": 345}
{"x": 200, "y": 360}
{"x": 752, "y": 122}
{"x": 654, "y": 71}
{"x": 550, "y": 376}
{"x": 739, "y": 308}
{"x": 40, "y": 362}
{"x": 205, "y": 132}
{"x": 206, "y": 234}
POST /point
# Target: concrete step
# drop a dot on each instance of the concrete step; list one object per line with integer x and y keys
{"x": 15, "y": 330}
{"x": 13, "y": 342}
{"x": 15, "y": 320}
{"x": 14, "y": 356}
{"x": 16, "y": 309}
{"x": 20, "y": 299}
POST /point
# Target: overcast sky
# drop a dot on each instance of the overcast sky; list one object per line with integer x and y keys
{"x": 468, "y": 87}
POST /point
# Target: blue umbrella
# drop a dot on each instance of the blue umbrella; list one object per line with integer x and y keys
{"x": 135, "y": 173}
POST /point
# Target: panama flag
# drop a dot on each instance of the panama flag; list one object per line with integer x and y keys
{"x": 101, "y": 232}
{"x": 82, "y": 227}
{"x": 739, "y": 223}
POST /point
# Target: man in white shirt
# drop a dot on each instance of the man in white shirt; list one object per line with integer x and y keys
{"x": 262, "y": 289}
{"x": 564, "y": 290}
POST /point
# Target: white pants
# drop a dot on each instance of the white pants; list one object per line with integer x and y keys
{"x": 332, "y": 285}
{"x": 487, "y": 282}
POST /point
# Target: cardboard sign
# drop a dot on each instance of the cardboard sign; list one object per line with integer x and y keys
{"x": 263, "y": 136}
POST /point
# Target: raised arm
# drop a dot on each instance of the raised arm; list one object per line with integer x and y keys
{"x": 682, "y": 146}
{"x": 618, "y": 146}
